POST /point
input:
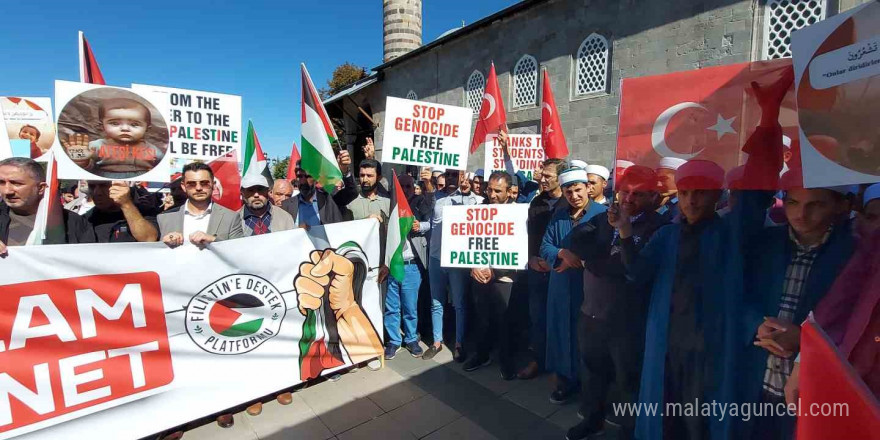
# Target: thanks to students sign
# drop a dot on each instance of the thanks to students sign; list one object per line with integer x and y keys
{"x": 485, "y": 236}
{"x": 426, "y": 134}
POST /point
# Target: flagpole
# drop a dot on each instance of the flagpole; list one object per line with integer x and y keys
{"x": 82, "y": 70}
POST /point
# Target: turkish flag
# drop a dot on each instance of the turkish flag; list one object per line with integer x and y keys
{"x": 291, "y": 165}
{"x": 552, "y": 137}
{"x": 227, "y": 181}
{"x": 705, "y": 114}
{"x": 828, "y": 383}
{"x": 493, "y": 118}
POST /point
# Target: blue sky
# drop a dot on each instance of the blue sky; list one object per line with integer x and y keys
{"x": 248, "y": 48}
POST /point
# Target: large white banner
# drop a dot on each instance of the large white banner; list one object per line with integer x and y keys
{"x": 485, "y": 236}
{"x": 836, "y": 65}
{"x": 426, "y": 134}
{"x": 201, "y": 125}
{"x": 115, "y": 341}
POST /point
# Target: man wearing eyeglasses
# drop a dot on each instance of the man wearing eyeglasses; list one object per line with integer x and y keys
{"x": 199, "y": 221}
{"x": 541, "y": 209}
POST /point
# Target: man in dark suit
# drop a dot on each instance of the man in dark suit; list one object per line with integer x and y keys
{"x": 314, "y": 206}
{"x": 199, "y": 221}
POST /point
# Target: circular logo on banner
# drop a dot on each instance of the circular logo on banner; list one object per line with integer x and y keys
{"x": 235, "y": 314}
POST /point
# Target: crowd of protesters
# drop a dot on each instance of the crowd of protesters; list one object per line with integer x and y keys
{"x": 681, "y": 285}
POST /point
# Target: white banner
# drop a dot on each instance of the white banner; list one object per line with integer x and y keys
{"x": 526, "y": 153}
{"x": 836, "y": 65}
{"x": 485, "y": 236}
{"x": 110, "y": 133}
{"x": 201, "y": 125}
{"x": 115, "y": 341}
{"x": 426, "y": 134}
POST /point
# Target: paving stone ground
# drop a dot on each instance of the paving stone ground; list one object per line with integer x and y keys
{"x": 409, "y": 399}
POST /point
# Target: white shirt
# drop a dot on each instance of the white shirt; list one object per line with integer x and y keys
{"x": 195, "y": 222}
{"x": 85, "y": 207}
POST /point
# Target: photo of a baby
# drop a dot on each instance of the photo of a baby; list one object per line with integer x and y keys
{"x": 28, "y": 120}
{"x": 113, "y": 133}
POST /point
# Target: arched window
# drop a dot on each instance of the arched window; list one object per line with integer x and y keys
{"x": 782, "y": 18}
{"x": 473, "y": 91}
{"x": 412, "y": 95}
{"x": 525, "y": 82}
{"x": 591, "y": 66}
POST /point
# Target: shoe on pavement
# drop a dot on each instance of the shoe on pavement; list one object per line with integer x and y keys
{"x": 508, "y": 374}
{"x": 583, "y": 430}
{"x": 531, "y": 371}
{"x": 391, "y": 351}
{"x": 432, "y": 351}
{"x": 284, "y": 398}
{"x": 225, "y": 420}
{"x": 334, "y": 377}
{"x": 562, "y": 396}
{"x": 374, "y": 365}
{"x": 459, "y": 355}
{"x": 255, "y": 409}
{"x": 415, "y": 349}
{"x": 476, "y": 362}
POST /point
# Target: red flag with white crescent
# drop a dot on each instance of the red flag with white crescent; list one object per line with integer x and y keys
{"x": 834, "y": 401}
{"x": 705, "y": 114}
{"x": 552, "y": 137}
{"x": 89, "y": 72}
{"x": 493, "y": 118}
{"x": 227, "y": 181}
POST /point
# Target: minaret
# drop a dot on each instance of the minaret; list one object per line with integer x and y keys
{"x": 402, "y": 27}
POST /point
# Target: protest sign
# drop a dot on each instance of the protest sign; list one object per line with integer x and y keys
{"x": 160, "y": 336}
{"x": 426, "y": 134}
{"x": 201, "y": 125}
{"x": 706, "y": 114}
{"x": 837, "y": 64}
{"x": 485, "y": 236}
{"x": 110, "y": 133}
{"x": 525, "y": 150}
{"x": 29, "y": 127}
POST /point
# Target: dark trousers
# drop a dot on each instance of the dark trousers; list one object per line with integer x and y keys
{"x": 538, "y": 283}
{"x": 771, "y": 425}
{"x": 684, "y": 383}
{"x": 493, "y": 320}
{"x": 611, "y": 358}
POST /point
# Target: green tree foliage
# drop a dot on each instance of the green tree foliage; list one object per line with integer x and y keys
{"x": 279, "y": 168}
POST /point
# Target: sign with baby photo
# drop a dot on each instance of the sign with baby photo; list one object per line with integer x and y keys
{"x": 110, "y": 133}
{"x": 201, "y": 125}
{"x": 29, "y": 127}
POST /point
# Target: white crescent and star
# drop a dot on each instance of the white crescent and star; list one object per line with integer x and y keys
{"x": 658, "y": 135}
{"x": 549, "y": 129}
{"x": 491, "y": 100}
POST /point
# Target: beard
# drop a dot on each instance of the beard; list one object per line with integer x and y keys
{"x": 306, "y": 190}
{"x": 366, "y": 189}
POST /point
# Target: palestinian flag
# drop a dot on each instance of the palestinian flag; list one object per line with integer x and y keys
{"x": 88, "y": 65}
{"x": 49, "y": 223}
{"x": 255, "y": 168}
{"x": 236, "y": 316}
{"x": 399, "y": 224}
{"x": 319, "y": 347}
{"x": 318, "y": 137}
